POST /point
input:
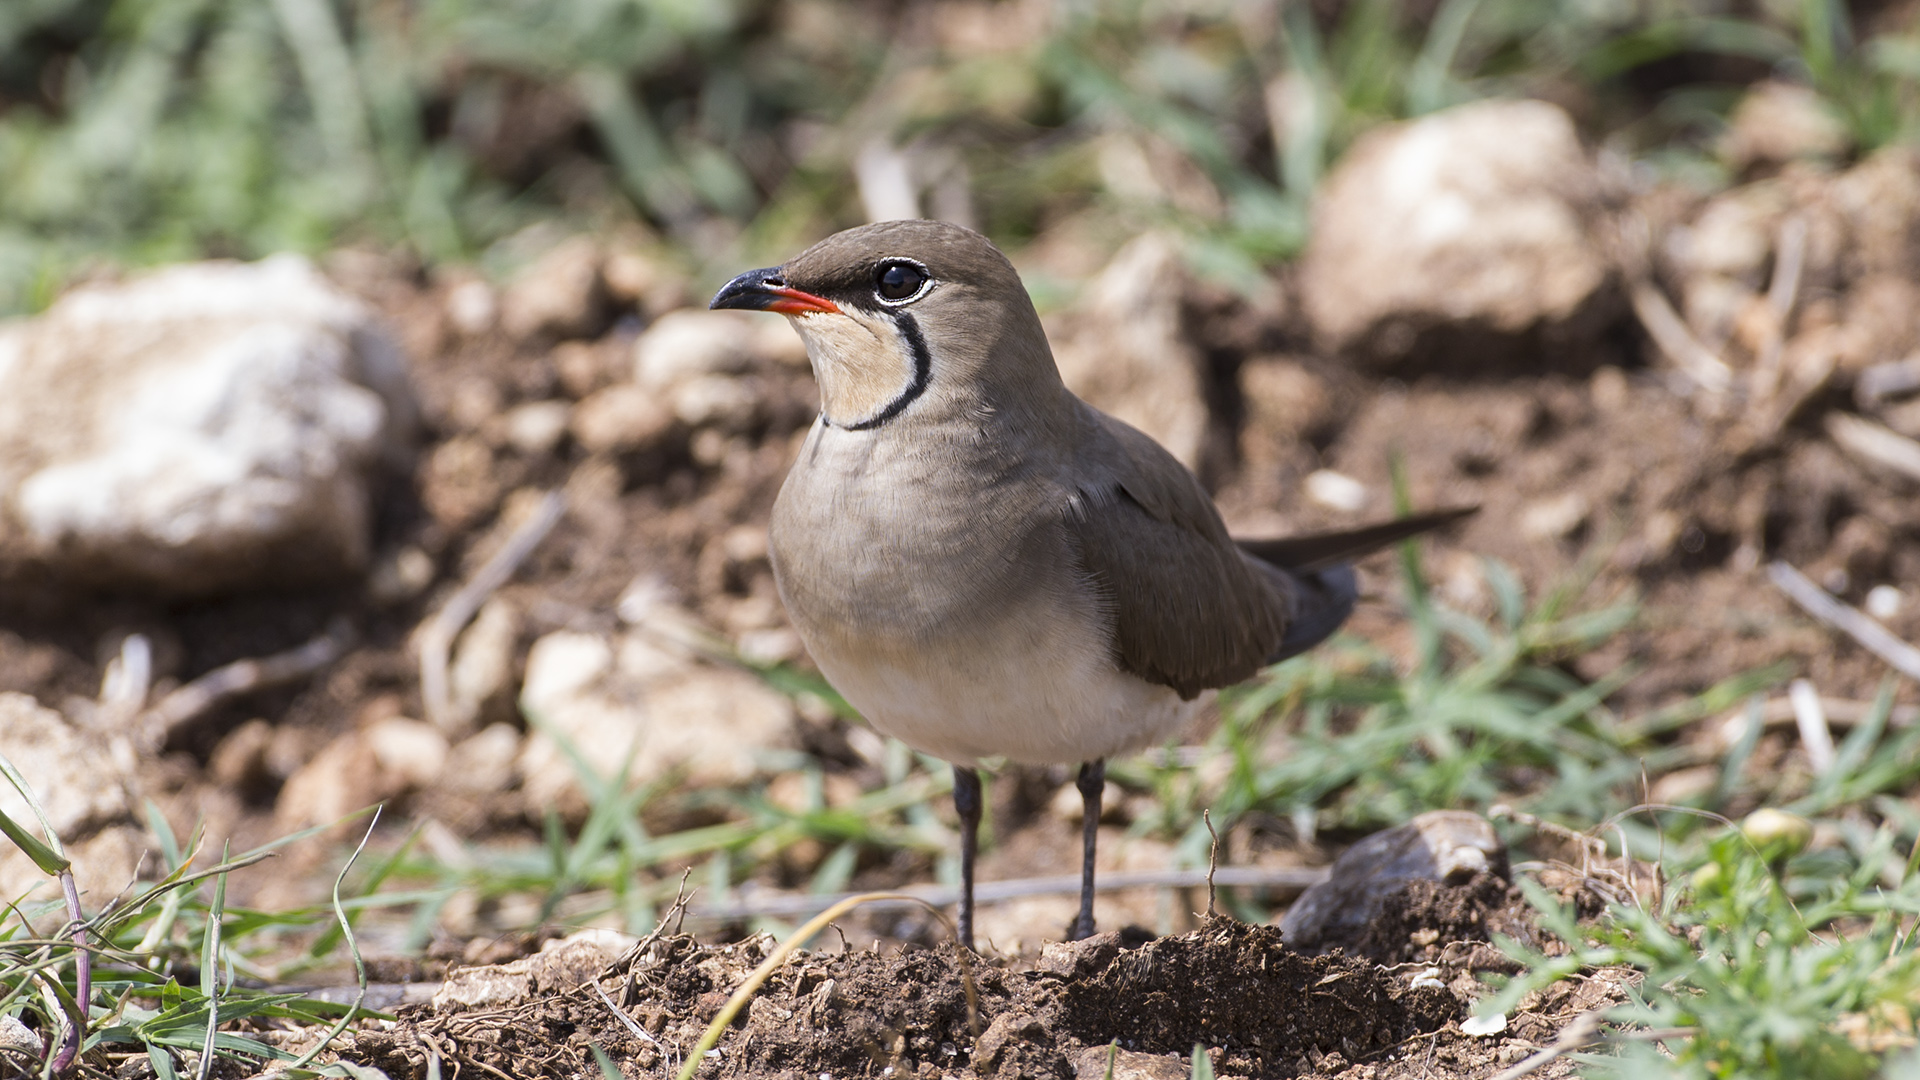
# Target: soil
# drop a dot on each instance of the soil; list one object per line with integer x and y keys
{"x": 1675, "y": 504}
{"x": 1231, "y": 989}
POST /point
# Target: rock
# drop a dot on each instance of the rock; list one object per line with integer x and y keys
{"x": 1079, "y": 959}
{"x": 629, "y": 700}
{"x": 484, "y": 987}
{"x": 1337, "y": 491}
{"x": 1113, "y": 1063}
{"x": 560, "y": 966}
{"x": 565, "y": 963}
{"x": 718, "y": 401}
{"x": 536, "y": 427}
{"x": 472, "y": 306}
{"x": 342, "y": 778}
{"x": 86, "y": 799}
{"x": 239, "y": 762}
{"x": 1777, "y": 122}
{"x": 1474, "y": 219}
{"x": 1554, "y": 517}
{"x": 411, "y": 754}
{"x": 1448, "y": 846}
{"x": 1008, "y": 1043}
{"x": 681, "y": 345}
{"x": 1121, "y": 347}
{"x": 483, "y": 763}
{"x": 458, "y": 484}
{"x": 16, "y": 1036}
{"x": 560, "y": 295}
{"x": 583, "y": 367}
{"x": 624, "y": 417}
{"x": 205, "y": 427}
{"x": 480, "y": 678}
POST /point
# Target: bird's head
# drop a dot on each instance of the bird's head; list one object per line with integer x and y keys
{"x": 906, "y": 318}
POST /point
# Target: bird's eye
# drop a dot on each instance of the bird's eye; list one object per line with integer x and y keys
{"x": 898, "y": 280}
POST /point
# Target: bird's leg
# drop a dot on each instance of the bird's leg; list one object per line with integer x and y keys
{"x": 1093, "y": 780}
{"x": 966, "y": 799}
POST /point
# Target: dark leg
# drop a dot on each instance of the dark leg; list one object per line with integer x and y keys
{"x": 966, "y": 799}
{"x": 1093, "y": 779}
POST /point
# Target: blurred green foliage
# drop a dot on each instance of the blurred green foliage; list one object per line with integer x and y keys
{"x": 145, "y": 130}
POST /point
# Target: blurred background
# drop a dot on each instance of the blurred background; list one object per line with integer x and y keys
{"x": 139, "y": 131}
{"x": 364, "y": 439}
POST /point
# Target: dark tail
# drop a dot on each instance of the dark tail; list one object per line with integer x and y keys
{"x": 1323, "y": 585}
{"x": 1317, "y": 551}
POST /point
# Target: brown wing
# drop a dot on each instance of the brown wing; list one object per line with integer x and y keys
{"x": 1189, "y": 610}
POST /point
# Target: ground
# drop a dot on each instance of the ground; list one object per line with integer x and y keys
{"x": 1667, "y": 501}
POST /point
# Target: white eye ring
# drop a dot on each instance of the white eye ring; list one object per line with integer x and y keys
{"x": 926, "y": 281}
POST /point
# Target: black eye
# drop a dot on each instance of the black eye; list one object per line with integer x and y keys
{"x": 898, "y": 280}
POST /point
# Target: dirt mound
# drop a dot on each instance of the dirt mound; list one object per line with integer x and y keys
{"x": 1229, "y": 987}
{"x": 1233, "y": 986}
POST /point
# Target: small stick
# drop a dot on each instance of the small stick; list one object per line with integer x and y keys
{"x": 436, "y": 638}
{"x": 1849, "y": 620}
{"x": 1874, "y": 444}
{"x": 1213, "y": 859}
{"x": 1584, "y": 1029}
{"x": 1812, "y": 720}
{"x": 1840, "y": 712}
{"x": 1677, "y": 343}
{"x": 189, "y": 702}
{"x": 1790, "y": 257}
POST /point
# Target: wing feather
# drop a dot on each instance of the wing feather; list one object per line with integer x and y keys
{"x": 1189, "y": 609}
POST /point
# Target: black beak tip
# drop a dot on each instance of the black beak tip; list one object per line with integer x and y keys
{"x": 749, "y": 291}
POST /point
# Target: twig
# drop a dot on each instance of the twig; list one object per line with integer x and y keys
{"x": 1213, "y": 859}
{"x": 1892, "y": 379}
{"x": 1670, "y": 334}
{"x": 632, "y": 1025}
{"x": 436, "y": 638}
{"x": 1790, "y": 257}
{"x": 194, "y": 699}
{"x": 1840, "y": 712}
{"x": 1874, "y": 444}
{"x": 1817, "y": 602}
{"x": 1584, "y": 1029}
{"x": 1812, "y": 721}
{"x": 1291, "y": 879}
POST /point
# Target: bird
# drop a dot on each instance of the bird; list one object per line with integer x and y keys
{"x": 983, "y": 564}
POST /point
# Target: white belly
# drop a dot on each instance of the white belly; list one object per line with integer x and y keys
{"x": 1034, "y": 693}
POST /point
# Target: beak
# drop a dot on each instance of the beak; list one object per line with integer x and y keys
{"x": 766, "y": 290}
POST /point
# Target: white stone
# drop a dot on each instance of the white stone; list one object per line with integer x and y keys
{"x": 560, "y": 294}
{"x": 411, "y": 753}
{"x": 207, "y": 426}
{"x": 1884, "y": 602}
{"x": 1122, "y": 349}
{"x": 715, "y": 401}
{"x": 1554, "y": 517}
{"x": 655, "y": 709}
{"x": 1478, "y": 214}
{"x": 1336, "y": 490}
{"x": 85, "y": 797}
{"x": 482, "y": 666}
{"x": 536, "y": 427}
{"x": 623, "y": 417}
{"x": 681, "y": 345}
